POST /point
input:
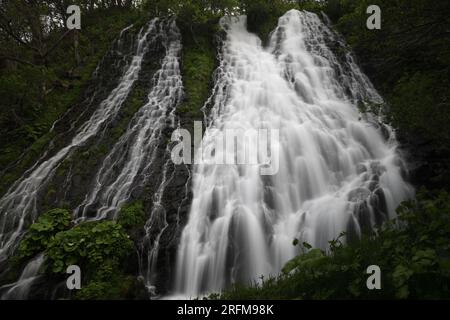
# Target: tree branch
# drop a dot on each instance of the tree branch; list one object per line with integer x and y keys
{"x": 57, "y": 43}
{"x": 18, "y": 60}
{"x": 6, "y": 26}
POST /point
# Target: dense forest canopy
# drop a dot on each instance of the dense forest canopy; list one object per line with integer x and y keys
{"x": 44, "y": 68}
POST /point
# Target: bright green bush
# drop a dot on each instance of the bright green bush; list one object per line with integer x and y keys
{"x": 42, "y": 231}
{"x": 110, "y": 282}
{"x": 100, "y": 249}
{"x": 132, "y": 216}
{"x": 88, "y": 245}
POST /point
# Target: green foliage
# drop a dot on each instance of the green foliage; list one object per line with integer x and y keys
{"x": 423, "y": 96}
{"x": 109, "y": 282}
{"x": 88, "y": 245}
{"x": 197, "y": 69}
{"x": 411, "y": 68}
{"x": 42, "y": 231}
{"x": 192, "y": 12}
{"x": 413, "y": 253}
{"x": 199, "y": 61}
{"x": 132, "y": 216}
{"x": 33, "y": 97}
{"x": 309, "y": 260}
{"x": 99, "y": 248}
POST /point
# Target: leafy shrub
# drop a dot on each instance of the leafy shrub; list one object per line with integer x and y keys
{"x": 132, "y": 216}
{"x": 109, "y": 282}
{"x": 88, "y": 245}
{"x": 311, "y": 259}
{"x": 42, "y": 231}
{"x": 99, "y": 248}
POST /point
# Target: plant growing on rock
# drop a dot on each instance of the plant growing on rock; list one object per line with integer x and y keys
{"x": 42, "y": 231}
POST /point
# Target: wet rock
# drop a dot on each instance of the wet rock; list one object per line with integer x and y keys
{"x": 361, "y": 168}
{"x": 358, "y": 195}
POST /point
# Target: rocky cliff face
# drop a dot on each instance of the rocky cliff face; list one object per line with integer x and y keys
{"x": 87, "y": 179}
{"x": 74, "y": 177}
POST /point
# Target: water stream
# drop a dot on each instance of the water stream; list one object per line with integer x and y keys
{"x": 337, "y": 171}
{"x": 18, "y": 206}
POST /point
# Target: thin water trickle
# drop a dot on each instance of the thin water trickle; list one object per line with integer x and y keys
{"x": 128, "y": 162}
{"x": 19, "y": 205}
{"x": 20, "y": 289}
{"x": 135, "y": 158}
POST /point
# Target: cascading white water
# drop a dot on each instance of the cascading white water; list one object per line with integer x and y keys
{"x": 20, "y": 290}
{"x": 128, "y": 163}
{"x": 20, "y": 202}
{"x": 336, "y": 171}
{"x": 131, "y": 161}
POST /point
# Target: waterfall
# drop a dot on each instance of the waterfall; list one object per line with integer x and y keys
{"x": 20, "y": 290}
{"x": 337, "y": 172}
{"x": 130, "y": 159}
{"x": 137, "y": 157}
{"x": 18, "y": 206}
